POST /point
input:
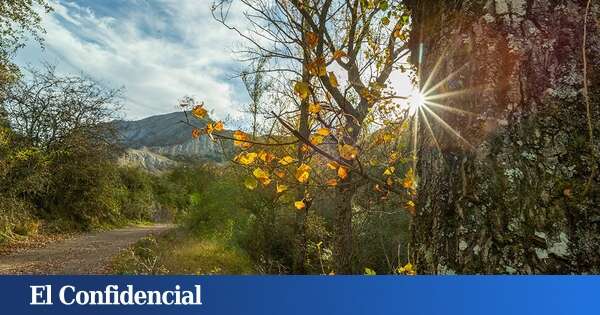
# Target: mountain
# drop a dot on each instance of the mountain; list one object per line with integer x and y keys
{"x": 154, "y": 140}
{"x": 147, "y": 160}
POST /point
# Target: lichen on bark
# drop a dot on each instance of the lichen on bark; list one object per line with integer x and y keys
{"x": 524, "y": 195}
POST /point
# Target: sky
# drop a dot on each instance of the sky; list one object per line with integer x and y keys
{"x": 158, "y": 50}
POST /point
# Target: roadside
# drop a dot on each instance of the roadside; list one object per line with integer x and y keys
{"x": 179, "y": 252}
{"x": 82, "y": 254}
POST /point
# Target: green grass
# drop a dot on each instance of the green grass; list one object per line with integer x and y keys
{"x": 179, "y": 252}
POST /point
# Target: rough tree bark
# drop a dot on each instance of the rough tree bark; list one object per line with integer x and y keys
{"x": 525, "y": 198}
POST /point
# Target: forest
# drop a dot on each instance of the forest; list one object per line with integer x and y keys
{"x": 490, "y": 164}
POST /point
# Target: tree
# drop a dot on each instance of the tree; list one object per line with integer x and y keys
{"x": 333, "y": 61}
{"x": 47, "y": 108}
{"x": 17, "y": 19}
{"x": 508, "y": 170}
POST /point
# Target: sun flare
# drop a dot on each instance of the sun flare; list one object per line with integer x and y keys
{"x": 416, "y": 101}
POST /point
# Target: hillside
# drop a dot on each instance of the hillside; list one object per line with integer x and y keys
{"x": 154, "y": 142}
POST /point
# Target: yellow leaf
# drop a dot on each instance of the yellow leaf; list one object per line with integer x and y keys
{"x": 196, "y": 133}
{"x": 389, "y": 171}
{"x": 348, "y": 152}
{"x": 408, "y": 269}
{"x": 387, "y": 137}
{"x": 302, "y": 89}
{"x": 311, "y": 40}
{"x": 250, "y": 183}
{"x": 302, "y": 173}
{"x": 338, "y": 54}
{"x": 219, "y": 126}
{"x": 323, "y": 132}
{"x": 342, "y": 172}
{"x": 333, "y": 79}
{"x": 299, "y": 205}
{"x": 281, "y": 188}
{"x": 332, "y": 182}
{"x": 246, "y": 158}
{"x": 266, "y": 156}
{"x": 314, "y": 108}
{"x": 241, "y": 139}
{"x": 333, "y": 165}
{"x": 199, "y": 111}
{"x": 262, "y": 176}
{"x": 286, "y": 160}
{"x": 316, "y": 139}
{"x": 410, "y": 206}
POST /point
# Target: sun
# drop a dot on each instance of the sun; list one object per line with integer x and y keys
{"x": 416, "y": 101}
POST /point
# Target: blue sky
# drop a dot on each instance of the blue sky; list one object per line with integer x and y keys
{"x": 159, "y": 50}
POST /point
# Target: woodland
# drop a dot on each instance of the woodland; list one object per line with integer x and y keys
{"x": 490, "y": 166}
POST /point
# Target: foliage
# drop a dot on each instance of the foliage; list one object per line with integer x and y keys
{"x": 181, "y": 253}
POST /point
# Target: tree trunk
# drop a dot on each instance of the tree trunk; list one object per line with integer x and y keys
{"x": 299, "y": 264}
{"x": 521, "y": 193}
{"x": 342, "y": 228}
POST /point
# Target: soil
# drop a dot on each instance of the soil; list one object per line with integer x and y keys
{"x": 83, "y": 254}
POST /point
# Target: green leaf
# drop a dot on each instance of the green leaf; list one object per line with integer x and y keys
{"x": 370, "y": 272}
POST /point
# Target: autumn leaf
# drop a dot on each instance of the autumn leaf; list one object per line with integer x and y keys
{"x": 332, "y": 182}
{"x": 408, "y": 269}
{"x": 408, "y": 181}
{"x": 339, "y": 54}
{"x": 312, "y": 39}
{"x": 389, "y": 171}
{"x": 317, "y": 67}
{"x": 302, "y": 89}
{"x": 262, "y": 176}
{"x": 333, "y": 79}
{"x": 281, "y": 188}
{"x": 342, "y": 172}
{"x": 196, "y": 133}
{"x": 314, "y": 108}
{"x": 323, "y": 132}
{"x": 241, "y": 139}
{"x": 348, "y": 152}
{"x": 279, "y": 173}
{"x": 219, "y": 126}
{"x": 299, "y": 205}
{"x": 209, "y": 128}
{"x": 387, "y": 137}
{"x": 302, "y": 173}
{"x": 410, "y": 206}
{"x": 333, "y": 165}
{"x": 266, "y": 156}
{"x": 199, "y": 111}
{"x": 286, "y": 160}
{"x": 251, "y": 183}
{"x": 316, "y": 139}
{"x": 246, "y": 158}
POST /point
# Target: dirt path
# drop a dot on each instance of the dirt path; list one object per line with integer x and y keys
{"x": 83, "y": 254}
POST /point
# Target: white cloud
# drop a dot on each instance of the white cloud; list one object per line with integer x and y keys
{"x": 159, "y": 50}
